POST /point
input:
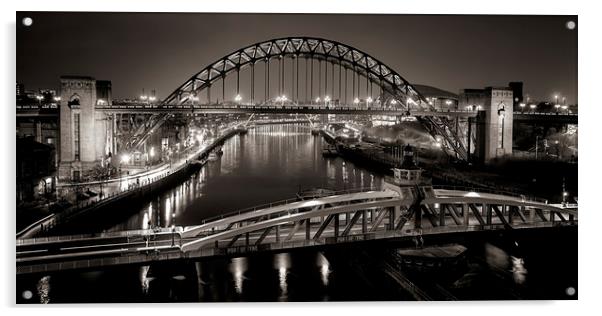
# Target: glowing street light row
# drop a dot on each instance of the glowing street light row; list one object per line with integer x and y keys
{"x": 283, "y": 98}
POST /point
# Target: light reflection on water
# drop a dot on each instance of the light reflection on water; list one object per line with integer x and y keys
{"x": 43, "y": 288}
{"x": 144, "y": 279}
{"x": 519, "y": 272}
{"x": 282, "y": 262}
{"x": 255, "y": 168}
{"x": 324, "y": 268}
{"x": 238, "y": 267}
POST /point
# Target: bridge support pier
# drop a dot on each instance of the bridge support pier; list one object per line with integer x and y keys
{"x": 494, "y": 125}
{"x": 85, "y": 134}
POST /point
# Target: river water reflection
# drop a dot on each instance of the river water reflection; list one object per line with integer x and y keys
{"x": 270, "y": 163}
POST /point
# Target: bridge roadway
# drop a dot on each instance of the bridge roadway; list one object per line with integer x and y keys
{"x": 276, "y": 109}
{"x": 344, "y": 217}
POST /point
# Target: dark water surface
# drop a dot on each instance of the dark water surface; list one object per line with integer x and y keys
{"x": 270, "y": 163}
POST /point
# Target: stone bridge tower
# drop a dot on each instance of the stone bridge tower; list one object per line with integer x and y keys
{"x": 493, "y": 135}
{"x": 85, "y": 134}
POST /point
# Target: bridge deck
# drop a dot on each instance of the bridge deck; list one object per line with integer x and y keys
{"x": 278, "y": 109}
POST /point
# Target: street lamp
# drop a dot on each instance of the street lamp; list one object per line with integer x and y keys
{"x": 326, "y": 100}
{"x": 522, "y": 107}
{"x": 40, "y": 98}
{"x": 237, "y": 98}
{"x": 57, "y": 99}
{"x": 393, "y": 102}
{"x": 556, "y": 97}
{"x": 318, "y": 100}
{"x": 533, "y": 107}
{"x": 557, "y": 106}
{"x": 125, "y": 158}
{"x": 356, "y": 101}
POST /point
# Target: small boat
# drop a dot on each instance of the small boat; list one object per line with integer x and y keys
{"x": 314, "y": 193}
{"x": 431, "y": 258}
{"x": 330, "y": 151}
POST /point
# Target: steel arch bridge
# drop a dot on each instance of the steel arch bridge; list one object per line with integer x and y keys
{"x": 394, "y": 90}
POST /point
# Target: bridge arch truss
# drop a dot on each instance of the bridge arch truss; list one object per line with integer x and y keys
{"x": 393, "y": 90}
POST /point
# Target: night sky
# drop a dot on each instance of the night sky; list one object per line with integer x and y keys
{"x": 160, "y": 51}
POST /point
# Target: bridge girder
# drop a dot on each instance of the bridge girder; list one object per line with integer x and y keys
{"x": 348, "y": 57}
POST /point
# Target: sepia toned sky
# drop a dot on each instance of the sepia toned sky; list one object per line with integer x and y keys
{"x": 162, "y": 50}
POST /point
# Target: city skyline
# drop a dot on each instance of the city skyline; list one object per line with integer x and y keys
{"x": 125, "y": 48}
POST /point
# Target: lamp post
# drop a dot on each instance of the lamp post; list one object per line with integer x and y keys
{"x": 533, "y": 107}
{"x": 143, "y": 96}
{"x": 448, "y": 103}
{"x": 522, "y": 107}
